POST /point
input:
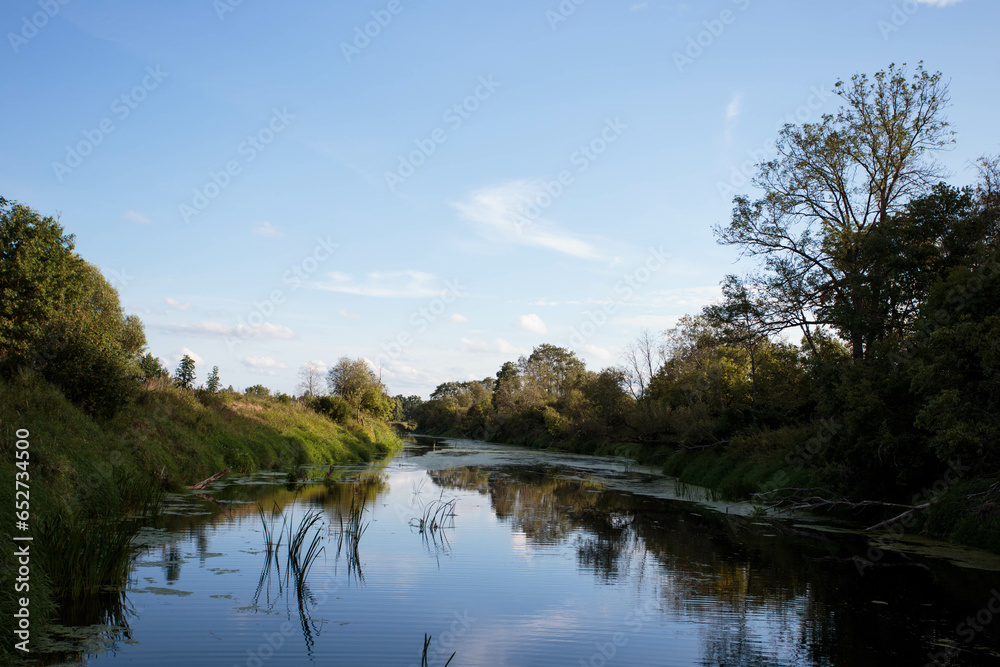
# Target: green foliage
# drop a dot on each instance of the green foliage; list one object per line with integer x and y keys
{"x": 59, "y": 317}
{"x": 184, "y": 375}
{"x": 334, "y": 407}
{"x": 354, "y": 381}
{"x": 257, "y": 391}
{"x": 213, "y": 383}
{"x": 152, "y": 368}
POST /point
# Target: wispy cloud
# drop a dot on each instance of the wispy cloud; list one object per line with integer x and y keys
{"x": 268, "y": 230}
{"x": 455, "y": 317}
{"x": 349, "y": 316}
{"x": 532, "y": 323}
{"x": 262, "y": 363}
{"x": 178, "y": 355}
{"x": 939, "y": 3}
{"x": 510, "y": 213}
{"x": 392, "y": 284}
{"x": 498, "y": 345}
{"x": 263, "y": 331}
{"x": 177, "y": 305}
{"x": 639, "y": 6}
{"x": 135, "y": 216}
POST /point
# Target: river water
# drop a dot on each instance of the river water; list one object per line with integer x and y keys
{"x": 541, "y": 559}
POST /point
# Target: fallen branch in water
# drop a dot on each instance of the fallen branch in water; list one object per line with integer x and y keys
{"x": 797, "y": 500}
{"x": 202, "y": 484}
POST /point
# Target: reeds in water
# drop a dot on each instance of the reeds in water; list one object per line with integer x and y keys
{"x": 423, "y": 658}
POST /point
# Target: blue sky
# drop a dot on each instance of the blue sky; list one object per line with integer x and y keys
{"x": 268, "y": 185}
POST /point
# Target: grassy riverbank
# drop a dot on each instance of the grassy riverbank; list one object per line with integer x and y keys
{"x": 175, "y": 437}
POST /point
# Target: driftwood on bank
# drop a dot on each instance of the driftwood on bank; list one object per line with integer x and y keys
{"x": 202, "y": 484}
{"x": 797, "y": 500}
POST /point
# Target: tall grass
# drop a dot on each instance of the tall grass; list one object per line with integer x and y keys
{"x": 352, "y": 529}
{"x": 303, "y": 547}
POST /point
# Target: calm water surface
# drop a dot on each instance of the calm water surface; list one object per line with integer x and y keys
{"x": 549, "y": 560}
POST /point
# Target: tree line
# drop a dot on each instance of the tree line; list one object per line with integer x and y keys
{"x": 887, "y": 277}
{"x": 62, "y": 321}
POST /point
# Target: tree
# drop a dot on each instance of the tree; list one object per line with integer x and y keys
{"x": 152, "y": 368}
{"x": 311, "y": 380}
{"x": 832, "y": 184}
{"x": 60, "y": 318}
{"x": 356, "y": 382}
{"x": 184, "y": 375}
{"x": 741, "y": 321}
{"x": 549, "y": 372}
{"x": 213, "y": 382}
{"x": 257, "y": 391}
{"x": 642, "y": 359}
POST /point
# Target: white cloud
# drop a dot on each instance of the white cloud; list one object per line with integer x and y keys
{"x": 735, "y": 106}
{"x": 265, "y": 330}
{"x": 177, "y": 356}
{"x": 532, "y": 323}
{"x": 458, "y": 318}
{"x": 639, "y": 6}
{"x": 177, "y": 305}
{"x": 506, "y": 348}
{"x": 498, "y": 345}
{"x": 393, "y": 284}
{"x": 349, "y": 316}
{"x": 511, "y": 213}
{"x": 939, "y": 3}
{"x": 135, "y": 216}
{"x": 467, "y": 345}
{"x": 268, "y": 230}
{"x": 262, "y": 363}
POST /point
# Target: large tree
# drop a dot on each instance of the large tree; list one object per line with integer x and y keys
{"x": 60, "y": 318}
{"x": 832, "y": 185}
{"x": 355, "y": 381}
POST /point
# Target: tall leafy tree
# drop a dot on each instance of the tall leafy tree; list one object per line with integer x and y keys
{"x": 832, "y": 185}
{"x": 60, "y": 318}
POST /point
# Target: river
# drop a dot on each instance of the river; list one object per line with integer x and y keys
{"x": 539, "y": 559}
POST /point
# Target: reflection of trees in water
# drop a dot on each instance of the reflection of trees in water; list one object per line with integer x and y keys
{"x": 755, "y": 597}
